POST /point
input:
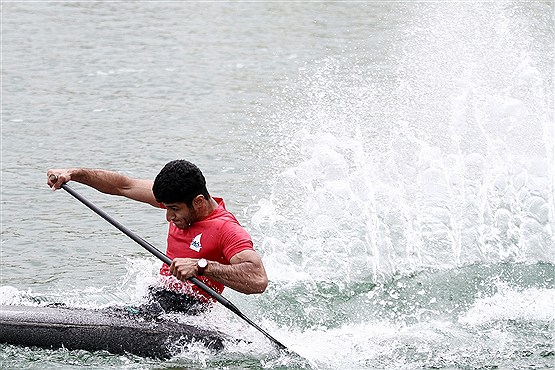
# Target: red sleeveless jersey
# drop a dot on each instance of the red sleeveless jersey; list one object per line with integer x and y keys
{"x": 216, "y": 238}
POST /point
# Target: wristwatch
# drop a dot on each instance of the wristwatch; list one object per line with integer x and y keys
{"x": 201, "y": 266}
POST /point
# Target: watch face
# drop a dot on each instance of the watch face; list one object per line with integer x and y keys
{"x": 202, "y": 263}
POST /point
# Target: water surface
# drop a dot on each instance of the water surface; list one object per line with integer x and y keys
{"x": 392, "y": 160}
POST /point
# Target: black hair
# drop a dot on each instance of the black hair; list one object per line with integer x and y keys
{"x": 179, "y": 181}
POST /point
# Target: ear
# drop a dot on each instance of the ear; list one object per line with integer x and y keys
{"x": 198, "y": 201}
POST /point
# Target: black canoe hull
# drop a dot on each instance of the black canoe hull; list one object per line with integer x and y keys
{"x": 117, "y": 332}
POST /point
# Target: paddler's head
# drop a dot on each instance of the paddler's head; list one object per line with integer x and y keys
{"x": 181, "y": 188}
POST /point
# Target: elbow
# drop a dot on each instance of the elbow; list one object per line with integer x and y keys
{"x": 259, "y": 287}
{"x": 263, "y": 285}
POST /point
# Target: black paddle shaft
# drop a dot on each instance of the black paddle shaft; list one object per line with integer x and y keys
{"x": 149, "y": 247}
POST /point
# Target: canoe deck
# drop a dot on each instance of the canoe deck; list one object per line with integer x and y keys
{"x": 118, "y": 331}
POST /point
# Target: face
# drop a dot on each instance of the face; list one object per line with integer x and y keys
{"x": 180, "y": 214}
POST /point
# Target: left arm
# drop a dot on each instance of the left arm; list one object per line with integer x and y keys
{"x": 246, "y": 274}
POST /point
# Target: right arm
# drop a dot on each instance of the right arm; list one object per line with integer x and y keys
{"x": 108, "y": 182}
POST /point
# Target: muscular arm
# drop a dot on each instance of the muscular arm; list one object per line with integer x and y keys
{"x": 246, "y": 274}
{"x": 108, "y": 182}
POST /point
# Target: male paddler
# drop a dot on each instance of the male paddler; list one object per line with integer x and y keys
{"x": 204, "y": 239}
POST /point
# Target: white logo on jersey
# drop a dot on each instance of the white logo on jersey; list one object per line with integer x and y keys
{"x": 195, "y": 244}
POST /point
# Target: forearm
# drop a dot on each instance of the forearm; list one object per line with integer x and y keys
{"x": 109, "y": 182}
{"x": 245, "y": 277}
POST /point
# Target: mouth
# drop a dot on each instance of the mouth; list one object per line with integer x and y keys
{"x": 179, "y": 224}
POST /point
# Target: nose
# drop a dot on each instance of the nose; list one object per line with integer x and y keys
{"x": 170, "y": 215}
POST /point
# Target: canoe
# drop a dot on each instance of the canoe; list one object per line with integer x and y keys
{"x": 119, "y": 331}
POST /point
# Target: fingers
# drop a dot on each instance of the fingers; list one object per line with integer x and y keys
{"x": 56, "y": 178}
{"x": 183, "y": 268}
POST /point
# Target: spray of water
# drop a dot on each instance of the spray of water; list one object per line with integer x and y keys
{"x": 407, "y": 201}
{"x": 449, "y": 165}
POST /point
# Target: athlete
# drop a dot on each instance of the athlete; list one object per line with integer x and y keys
{"x": 204, "y": 239}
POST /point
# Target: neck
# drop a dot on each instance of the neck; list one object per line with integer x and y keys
{"x": 207, "y": 208}
{"x": 212, "y": 204}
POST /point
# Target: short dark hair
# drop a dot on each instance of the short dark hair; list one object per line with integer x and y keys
{"x": 179, "y": 181}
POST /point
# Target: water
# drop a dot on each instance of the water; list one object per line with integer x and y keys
{"x": 392, "y": 160}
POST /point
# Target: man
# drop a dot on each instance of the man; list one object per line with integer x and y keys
{"x": 204, "y": 239}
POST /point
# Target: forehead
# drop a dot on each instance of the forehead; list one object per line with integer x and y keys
{"x": 175, "y": 205}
